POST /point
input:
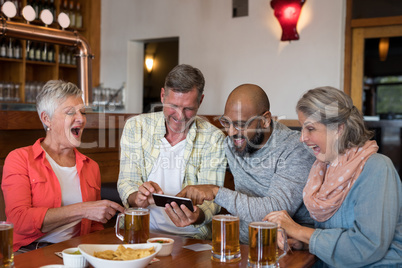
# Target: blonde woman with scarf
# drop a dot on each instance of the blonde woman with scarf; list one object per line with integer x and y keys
{"x": 353, "y": 193}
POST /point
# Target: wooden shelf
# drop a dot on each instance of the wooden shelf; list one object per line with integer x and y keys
{"x": 67, "y": 66}
{"x": 40, "y": 63}
{"x": 22, "y": 70}
{"x": 11, "y": 60}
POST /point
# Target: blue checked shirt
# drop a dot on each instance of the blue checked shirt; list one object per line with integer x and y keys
{"x": 204, "y": 157}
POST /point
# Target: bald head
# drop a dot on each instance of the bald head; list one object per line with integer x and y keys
{"x": 251, "y": 96}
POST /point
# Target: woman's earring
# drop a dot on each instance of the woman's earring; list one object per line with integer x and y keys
{"x": 48, "y": 128}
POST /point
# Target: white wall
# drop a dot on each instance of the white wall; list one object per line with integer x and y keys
{"x": 229, "y": 51}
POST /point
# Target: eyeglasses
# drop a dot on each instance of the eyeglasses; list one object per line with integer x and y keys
{"x": 239, "y": 125}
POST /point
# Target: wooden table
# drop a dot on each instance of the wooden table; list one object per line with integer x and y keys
{"x": 180, "y": 257}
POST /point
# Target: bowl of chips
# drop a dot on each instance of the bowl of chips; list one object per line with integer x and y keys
{"x": 117, "y": 255}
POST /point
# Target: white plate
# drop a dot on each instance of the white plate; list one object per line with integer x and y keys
{"x": 88, "y": 250}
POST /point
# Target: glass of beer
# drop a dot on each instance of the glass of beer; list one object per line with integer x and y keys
{"x": 263, "y": 247}
{"x": 136, "y": 225}
{"x": 225, "y": 238}
{"x": 6, "y": 244}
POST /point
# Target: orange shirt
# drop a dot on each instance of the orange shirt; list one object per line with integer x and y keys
{"x": 31, "y": 187}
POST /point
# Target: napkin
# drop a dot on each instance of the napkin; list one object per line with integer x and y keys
{"x": 198, "y": 247}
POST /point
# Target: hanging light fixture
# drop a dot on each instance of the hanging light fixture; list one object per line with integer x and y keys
{"x": 287, "y": 12}
{"x": 383, "y": 47}
{"x": 149, "y": 63}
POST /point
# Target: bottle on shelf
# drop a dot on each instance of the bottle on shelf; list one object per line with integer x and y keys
{"x": 52, "y": 9}
{"x": 64, "y": 8}
{"x": 50, "y": 54}
{"x": 78, "y": 16}
{"x": 62, "y": 56}
{"x": 71, "y": 14}
{"x": 73, "y": 57}
{"x": 38, "y": 49}
{"x": 44, "y": 52}
{"x": 68, "y": 56}
{"x": 17, "y": 49}
{"x": 17, "y": 4}
{"x": 3, "y": 48}
{"x": 40, "y": 8}
{"x": 10, "y": 48}
{"x": 31, "y": 50}
{"x": 35, "y": 6}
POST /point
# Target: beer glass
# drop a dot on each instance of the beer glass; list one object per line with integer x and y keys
{"x": 225, "y": 238}
{"x": 136, "y": 225}
{"x": 6, "y": 244}
{"x": 263, "y": 248}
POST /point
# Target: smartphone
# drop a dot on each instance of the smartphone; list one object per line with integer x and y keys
{"x": 161, "y": 200}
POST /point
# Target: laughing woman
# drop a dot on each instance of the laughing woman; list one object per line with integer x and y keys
{"x": 52, "y": 191}
{"x": 353, "y": 194}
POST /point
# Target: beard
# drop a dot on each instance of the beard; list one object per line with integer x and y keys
{"x": 252, "y": 144}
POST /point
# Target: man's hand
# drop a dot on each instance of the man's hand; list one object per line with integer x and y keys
{"x": 182, "y": 216}
{"x": 143, "y": 197}
{"x": 199, "y": 193}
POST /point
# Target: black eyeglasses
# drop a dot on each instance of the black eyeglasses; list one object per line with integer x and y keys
{"x": 239, "y": 125}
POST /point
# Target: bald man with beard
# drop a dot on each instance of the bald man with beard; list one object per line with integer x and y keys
{"x": 269, "y": 164}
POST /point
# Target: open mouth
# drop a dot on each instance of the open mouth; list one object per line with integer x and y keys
{"x": 315, "y": 148}
{"x": 76, "y": 131}
{"x": 238, "y": 141}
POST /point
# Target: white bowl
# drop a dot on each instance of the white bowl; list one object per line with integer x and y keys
{"x": 73, "y": 260}
{"x": 166, "y": 247}
{"x": 88, "y": 251}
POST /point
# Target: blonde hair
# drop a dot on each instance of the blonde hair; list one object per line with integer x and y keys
{"x": 332, "y": 107}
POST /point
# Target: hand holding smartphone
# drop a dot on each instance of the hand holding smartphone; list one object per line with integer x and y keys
{"x": 161, "y": 200}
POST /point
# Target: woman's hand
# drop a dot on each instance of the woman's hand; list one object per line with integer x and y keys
{"x": 297, "y": 234}
{"x": 101, "y": 211}
{"x": 283, "y": 220}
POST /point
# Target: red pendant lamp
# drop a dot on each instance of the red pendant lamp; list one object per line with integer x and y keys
{"x": 287, "y": 12}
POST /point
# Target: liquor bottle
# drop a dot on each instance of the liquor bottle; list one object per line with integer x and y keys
{"x": 78, "y": 16}
{"x": 10, "y": 48}
{"x": 32, "y": 51}
{"x": 52, "y": 9}
{"x": 65, "y": 7}
{"x": 50, "y": 54}
{"x": 45, "y": 5}
{"x": 38, "y": 51}
{"x": 73, "y": 57}
{"x": 68, "y": 56}
{"x": 17, "y": 4}
{"x": 3, "y": 48}
{"x": 17, "y": 49}
{"x": 35, "y": 6}
{"x": 71, "y": 14}
{"x": 40, "y": 7}
{"x": 44, "y": 52}
{"x": 62, "y": 57}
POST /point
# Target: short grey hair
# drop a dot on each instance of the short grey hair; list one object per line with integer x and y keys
{"x": 183, "y": 78}
{"x": 53, "y": 93}
{"x": 332, "y": 107}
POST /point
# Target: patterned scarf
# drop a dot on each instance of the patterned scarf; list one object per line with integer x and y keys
{"x": 328, "y": 185}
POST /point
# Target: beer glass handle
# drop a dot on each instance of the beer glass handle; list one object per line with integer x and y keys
{"x": 117, "y": 227}
{"x": 285, "y": 242}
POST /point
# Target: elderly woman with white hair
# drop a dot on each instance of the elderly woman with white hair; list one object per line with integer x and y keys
{"x": 51, "y": 190}
{"x": 353, "y": 193}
